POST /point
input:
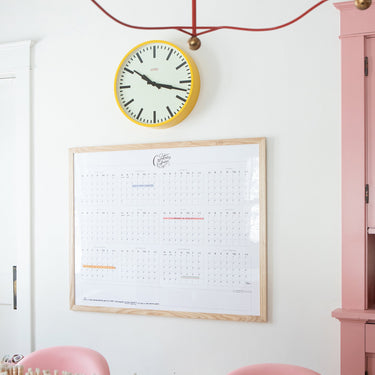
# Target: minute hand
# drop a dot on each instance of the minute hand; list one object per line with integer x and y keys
{"x": 170, "y": 87}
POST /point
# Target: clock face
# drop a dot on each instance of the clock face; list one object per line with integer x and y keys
{"x": 157, "y": 84}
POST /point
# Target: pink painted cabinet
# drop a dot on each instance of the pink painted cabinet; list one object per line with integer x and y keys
{"x": 357, "y": 314}
{"x": 370, "y": 122}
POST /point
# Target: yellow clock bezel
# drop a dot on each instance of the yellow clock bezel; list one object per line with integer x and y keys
{"x": 190, "y": 101}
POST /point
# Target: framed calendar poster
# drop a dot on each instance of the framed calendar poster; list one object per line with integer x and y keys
{"x": 173, "y": 229}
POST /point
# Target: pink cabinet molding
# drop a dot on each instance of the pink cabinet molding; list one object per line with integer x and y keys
{"x": 357, "y": 315}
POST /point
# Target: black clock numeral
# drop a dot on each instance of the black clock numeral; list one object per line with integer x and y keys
{"x": 154, "y": 52}
{"x": 125, "y": 87}
{"x": 129, "y": 71}
{"x": 169, "y": 111}
{"x": 186, "y": 81}
{"x": 179, "y": 97}
{"x": 129, "y": 102}
{"x": 139, "y": 113}
{"x": 169, "y": 54}
{"x": 154, "y": 119}
{"x": 139, "y": 58}
{"x": 181, "y": 65}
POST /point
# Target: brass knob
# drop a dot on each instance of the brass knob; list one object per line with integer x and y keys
{"x": 194, "y": 43}
{"x": 362, "y": 4}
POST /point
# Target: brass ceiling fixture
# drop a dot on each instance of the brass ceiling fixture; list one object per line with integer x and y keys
{"x": 362, "y": 4}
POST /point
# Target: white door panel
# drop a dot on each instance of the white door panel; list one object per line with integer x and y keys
{"x": 15, "y": 297}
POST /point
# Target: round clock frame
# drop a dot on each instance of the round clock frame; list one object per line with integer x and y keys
{"x": 157, "y": 84}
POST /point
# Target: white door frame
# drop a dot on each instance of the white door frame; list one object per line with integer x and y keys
{"x": 15, "y": 63}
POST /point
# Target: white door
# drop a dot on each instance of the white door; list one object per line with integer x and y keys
{"x": 15, "y": 288}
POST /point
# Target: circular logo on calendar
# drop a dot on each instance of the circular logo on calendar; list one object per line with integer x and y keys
{"x": 161, "y": 160}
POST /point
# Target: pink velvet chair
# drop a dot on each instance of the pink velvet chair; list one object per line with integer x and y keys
{"x": 73, "y": 359}
{"x": 273, "y": 369}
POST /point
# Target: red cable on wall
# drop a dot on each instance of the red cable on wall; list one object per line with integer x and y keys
{"x": 205, "y": 29}
{"x": 214, "y": 28}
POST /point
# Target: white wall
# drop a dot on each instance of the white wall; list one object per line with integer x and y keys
{"x": 284, "y": 85}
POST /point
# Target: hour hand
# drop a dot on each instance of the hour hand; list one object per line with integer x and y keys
{"x": 148, "y": 80}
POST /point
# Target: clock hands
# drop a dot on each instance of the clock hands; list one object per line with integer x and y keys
{"x": 158, "y": 85}
{"x": 170, "y": 87}
{"x": 148, "y": 80}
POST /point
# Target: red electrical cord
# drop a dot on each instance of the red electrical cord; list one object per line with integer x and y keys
{"x": 207, "y": 29}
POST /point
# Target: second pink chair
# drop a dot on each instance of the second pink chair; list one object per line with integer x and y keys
{"x": 272, "y": 369}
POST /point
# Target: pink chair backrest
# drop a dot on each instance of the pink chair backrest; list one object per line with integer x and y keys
{"x": 74, "y": 359}
{"x": 273, "y": 369}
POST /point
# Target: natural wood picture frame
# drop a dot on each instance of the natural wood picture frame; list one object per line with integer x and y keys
{"x": 118, "y": 267}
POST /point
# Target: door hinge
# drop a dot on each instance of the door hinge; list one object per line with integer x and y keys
{"x": 366, "y": 193}
{"x": 366, "y": 66}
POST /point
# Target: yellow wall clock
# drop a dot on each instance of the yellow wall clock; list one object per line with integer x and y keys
{"x": 157, "y": 84}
